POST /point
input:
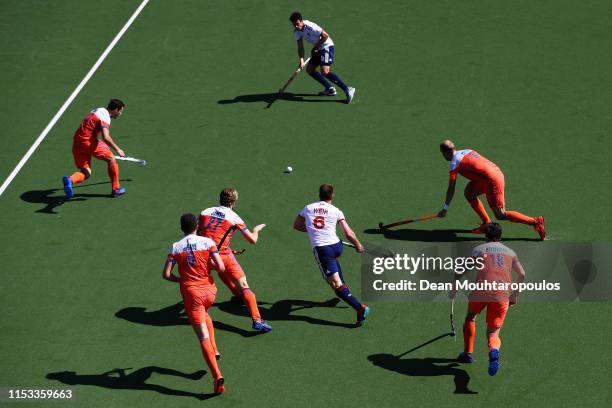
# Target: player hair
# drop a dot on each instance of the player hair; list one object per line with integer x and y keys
{"x": 326, "y": 192}
{"x": 189, "y": 223}
{"x": 295, "y": 16}
{"x": 493, "y": 231}
{"x": 228, "y": 196}
{"x": 447, "y": 145}
{"x": 115, "y": 104}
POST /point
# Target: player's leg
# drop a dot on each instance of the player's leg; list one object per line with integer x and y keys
{"x": 497, "y": 202}
{"x": 234, "y": 270}
{"x": 196, "y": 303}
{"x": 471, "y": 193}
{"x": 82, "y": 159}
{"x": 311, "y": 68}
{"x": 327, "y": 59}
{"x": 496, "y": 313}
{"x": 103, "y": 152}
{"x": 469, "y": 331}
{"x": 327, "y": 259}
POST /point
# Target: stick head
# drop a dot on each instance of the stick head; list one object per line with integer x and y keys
{"x": 381, "y": 226}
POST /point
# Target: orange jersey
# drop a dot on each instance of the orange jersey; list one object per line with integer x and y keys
{"x": 499, "y": 260}
{"x": 87, "y": 133}
{"x": 192, "y": 254}
{"x": 219, "y": 222}
{"x": 472, "y": 165}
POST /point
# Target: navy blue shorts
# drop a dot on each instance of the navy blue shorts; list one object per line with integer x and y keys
{"x": 327, "y": 259}
{"x": 324, "y": 56}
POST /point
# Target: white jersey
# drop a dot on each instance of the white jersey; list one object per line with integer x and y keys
{"x": 312, "y": 34}
{"x": 321, "y": 219}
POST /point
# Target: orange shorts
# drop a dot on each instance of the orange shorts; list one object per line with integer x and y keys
{"x": 493, "y": 188}
{"x": 233, "y": 270}
{"x": 197, "y": 300}
{"x": 496, "y": 312}
{"x": 82, "y": 155}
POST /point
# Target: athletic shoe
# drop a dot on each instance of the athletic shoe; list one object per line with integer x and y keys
{"x": 219, "y": 385}
{"x": 362, "y": 314}
{"x": 68, "y": 190}
{"x": 118, "y": 192}
{"x": 465, "y": 358}
{"x": 493, "y": 361}
{"x": 479, "y": 230}
{"x": 329, "y": 92}
{"x": 350, "y": 93}
{"x": 539, "y": 227}
{"x": 262, "y": 326}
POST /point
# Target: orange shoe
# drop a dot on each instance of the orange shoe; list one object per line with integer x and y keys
{"x": 539, "y": 227}
{"x": 218, "y": 385}
{"x": 479, "y": 230}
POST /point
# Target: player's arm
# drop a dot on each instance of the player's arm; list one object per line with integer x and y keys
{"x": 219, "y": 265}
{"x": 109, "y": 141}
{"x": 167, "y": 272}
{"x": 300, "y": 48}
{"x": 450, "y": 192}
{"x": 299, "y": 224}
{"x": 322, "y": 39}
{"x": 350, "y": 235}
{"x": 517, "y": 267}
{"x": 252, "y": 236}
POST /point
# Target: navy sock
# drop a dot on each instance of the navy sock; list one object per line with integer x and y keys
{"x": 344, "y": 293}
{"x": 336, "y": 80}
{"x": 321, "y": 79}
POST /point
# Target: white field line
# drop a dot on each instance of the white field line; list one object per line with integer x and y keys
{"x": 73, "y": 95}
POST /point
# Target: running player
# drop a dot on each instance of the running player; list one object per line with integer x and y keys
{"x": 218, "y": 224}
{"x": 499, "y": 262}
{"x": 319, "y": 220}
{"x": 485, "y": 178}
{"x": 192, "y": 254}
{"x": 322, "y": 55}
{"x": 86, "y": 144}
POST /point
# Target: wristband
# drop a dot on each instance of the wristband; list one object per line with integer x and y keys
{"x": 445, "y": 208}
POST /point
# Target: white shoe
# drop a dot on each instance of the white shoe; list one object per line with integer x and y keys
{"x": 350, "y": 93}
{"x": 329, "y": 92}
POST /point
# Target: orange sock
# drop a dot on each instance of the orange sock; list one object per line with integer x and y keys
{"x": 77, "y": 177}
{"x": 251, "y": 303}
{"x": 469, "y": 332}
{"x": 211, "y": 333}
{"x": 113, "y": 173}
{"x": 494, "y": 343}
{"x": 209, "y": 356}
{"x": 480, "y": 210}
{"x": 515, "y": 216}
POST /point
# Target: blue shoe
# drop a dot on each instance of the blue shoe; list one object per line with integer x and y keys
{"x": 465, "y": 358}
{"x": 493, "y": 361}
{"x": 262, "y": 326}
{"x": 362, "y": 314}
{"x": 118, "y": 192}
{"x": 68, "y": 190}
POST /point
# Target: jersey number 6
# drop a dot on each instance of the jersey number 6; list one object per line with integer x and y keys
{"x": 318, "y": 222}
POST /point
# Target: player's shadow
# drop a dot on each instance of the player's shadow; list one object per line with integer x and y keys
{"x": 438, "y": 235}
{"x": 54, "y": 197}
{"x": 119, "y": 379}
{"x": 270, "y": 98}
{"x": 283, "y": 310}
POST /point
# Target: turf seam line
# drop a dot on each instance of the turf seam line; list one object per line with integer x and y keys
{"x": 72, "y": 96}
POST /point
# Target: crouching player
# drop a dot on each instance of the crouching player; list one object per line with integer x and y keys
{"x": 499, "y": 262}
{"x": 218, "y": 224}
{"x": 192, "y": 254}
{"x": 319, "y": 220}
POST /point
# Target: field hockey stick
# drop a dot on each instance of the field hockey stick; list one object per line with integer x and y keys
{"x": 235, "y": 252}
{"x": 395, "y": 224}
{"x": 132, "y": 159}
{"x": 292, "y": 77}
{"x": 348, "y": 244}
